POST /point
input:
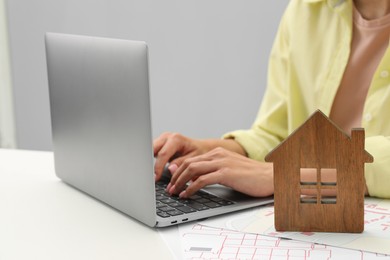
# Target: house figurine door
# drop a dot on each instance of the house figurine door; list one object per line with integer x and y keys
{"x": 319, "y": 178}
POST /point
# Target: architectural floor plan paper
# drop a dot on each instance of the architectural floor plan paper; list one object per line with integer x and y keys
{"x": 375, "y": 238}
{"x": 203, "y": 242}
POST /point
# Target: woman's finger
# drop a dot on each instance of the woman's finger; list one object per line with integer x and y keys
{"x": 190, "y": 170}
{"x": 201, "y": 182}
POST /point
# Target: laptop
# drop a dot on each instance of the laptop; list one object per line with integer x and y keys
{"x": 102, "y": 132}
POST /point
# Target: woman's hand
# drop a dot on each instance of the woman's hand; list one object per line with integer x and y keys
{"x": 220, "y": 166}
{"x": 175, "y": 148}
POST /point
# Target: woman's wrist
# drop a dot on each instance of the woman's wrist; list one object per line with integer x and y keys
{"x": 228, "y": 144}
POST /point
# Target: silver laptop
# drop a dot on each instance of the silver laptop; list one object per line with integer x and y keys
{"x": 102, "y": 135}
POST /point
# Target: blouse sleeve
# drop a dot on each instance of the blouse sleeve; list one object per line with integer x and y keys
{"x": 377, "y": 174}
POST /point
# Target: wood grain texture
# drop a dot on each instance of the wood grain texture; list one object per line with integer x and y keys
{"x": 319, "y": 144}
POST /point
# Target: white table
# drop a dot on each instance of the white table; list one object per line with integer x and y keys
{"x": 43, "y": 218}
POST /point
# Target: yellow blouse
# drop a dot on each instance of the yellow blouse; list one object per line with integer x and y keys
{"x": 306, "y": 65}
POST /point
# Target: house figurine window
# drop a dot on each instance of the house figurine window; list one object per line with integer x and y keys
{"x": 318, "y": 186}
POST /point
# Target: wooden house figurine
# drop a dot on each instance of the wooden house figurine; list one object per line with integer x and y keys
{"x": 319, "y": 180}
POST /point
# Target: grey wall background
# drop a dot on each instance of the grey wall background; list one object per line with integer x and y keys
{"x": 208, "y": 58}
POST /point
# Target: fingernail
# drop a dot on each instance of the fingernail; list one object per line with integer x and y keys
{"x": 172, "y": 168}
{"x": 168, "y": 187}
{"x": 172, "y": 189}
{"x": 183, "y": 194}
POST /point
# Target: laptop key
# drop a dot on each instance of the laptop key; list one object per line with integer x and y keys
{"x": 225, "y": 202}
{"x": 185, "y": 201}
{"x": 166, "y": 209}
{"x": 174, "y": 212}
{"x": 186, "y": 209}
{"x": 160, "y": 197}
{"x": 167, "y": 200}
{"x": 159, "y": 204}
{"x": 208, "y": 196}
{"x": 216, "y": 199}
{"x": 163, "y": 214}
{"x": 195, "y": 197}
{"x": 175, "y": 204}
{"x": 197, "y": 206}
{"x": 212, "y": 204}
{"x": 203, "y": 200}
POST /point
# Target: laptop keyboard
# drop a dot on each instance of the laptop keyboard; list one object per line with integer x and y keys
{"x": 169, "y": 205}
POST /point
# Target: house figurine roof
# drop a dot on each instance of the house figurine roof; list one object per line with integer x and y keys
{"x": 321, "y": 148}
